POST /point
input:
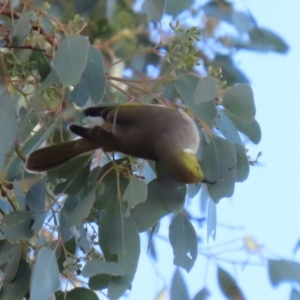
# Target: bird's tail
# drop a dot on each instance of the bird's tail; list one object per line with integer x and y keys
{"x": 51, "y": 157}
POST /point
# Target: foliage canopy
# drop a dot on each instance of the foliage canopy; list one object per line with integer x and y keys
{"x": 82, "y": 221}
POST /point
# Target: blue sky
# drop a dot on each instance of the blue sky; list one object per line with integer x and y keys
{"x": 266, "y": 206}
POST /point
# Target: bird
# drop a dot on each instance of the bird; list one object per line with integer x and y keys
{"x": 161, "y": 133}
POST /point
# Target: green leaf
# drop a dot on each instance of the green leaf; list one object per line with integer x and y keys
{"x": 22, "y": 29}
{"x": 175, "y": 7}
{"x": 178, "y": 287}
{"x": 183, "y": 239}
{"x": 45, "y": 275}
{"x": 95, "y": 266}
{"x": 295, "y": 295}
{"x": 42, "y": 64}
{"x": 6, "y": 249}
{"x": 36, "y": 197}
{"x": 154, "y": 9}
{"x": 193, "y": 190}
{"x": 251, "y": 130}
{"x": 79, "y": 293}
{"x": 206, "y": 89}
{"x": 148, "y": 213}
{"x": 83, "y": 242}
{"x": 92, "y": 182}
{"x": 115, "y": 185}
{"x": 93, "y": 80}
{"x": 242, "y": 166}
{"x": 76, "y": 210}
{"x": 8, "y": 124}
{"x": 242, "y": 22}
{"x": 71, "y": 58}
{"x": 99, "y": 282}
{"x": 15, "y": 171}
{"x": 17, "y": 225}
{"x": 70, "y": 249}
{"x": 165, "y": 195}
{"x": 172, "y": 192}
{"x": 227, "y": 128}
{"x": 51, "y": 80}
{"x": 239, "y": 100}
{"x": 26, "y": 122}
{"x": 136, "y": 192}
{"x": 262, "y": 39}
{"x": 283, "y": 270}
{"x": 12, "y": 265}
{"x": 19, "y": 287}
{"x": 228, "y": 285}
{"x": 220, "y": 10}
{"x": 186, "y": 86}
{"x": 219, "y": 166}
{"x": 76, "y": 181}
{"x": 211, "y": 220}
{"x": 119, "y": 238}
{"x": 230, "y": 72}
{"x": 202, "y": 295}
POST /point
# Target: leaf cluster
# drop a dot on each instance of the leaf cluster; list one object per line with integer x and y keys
{"x": 85, "y": 218}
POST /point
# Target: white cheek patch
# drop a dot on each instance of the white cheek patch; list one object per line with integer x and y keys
{"x": 90, "y": 122}
{"x": 189, "y": 150}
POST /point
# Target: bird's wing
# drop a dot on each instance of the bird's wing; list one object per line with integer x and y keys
{"x": 120, "y": 114}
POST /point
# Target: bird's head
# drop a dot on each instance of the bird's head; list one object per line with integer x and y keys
{"x": 184, "y": 167}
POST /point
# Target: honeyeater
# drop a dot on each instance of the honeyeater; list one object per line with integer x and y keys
{"x": 156, "y": 132}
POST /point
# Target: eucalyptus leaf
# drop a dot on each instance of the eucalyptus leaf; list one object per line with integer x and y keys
{"x": 12, "y": 266}
{"x": 120, "y": 242}
{"x": 227, "y": 128}
{"x": 178, "y": 287}
{"x": 77, "y": 293}
{"x": 17, "y": 225}
{"x": 219, "y": 166}
{"x": 83, "y": 242}
{"x": 45, "y": 267}
{"x": 70, "y": 59}
{"x": 36, "y": 197}
{"x": 114, "y": 184}
{"x": 250, "y": 129}
{"x": 76, "y": 209}
{"x": 242, "y": 166}
{"x": 26, "y": 122}
{"x": 206, "y": 89}
{"x": 50, "y": 80}
{"x": 211, "y": 220}
{"x": 41, "y": 61}
{"x": 295, "y": 294}
{"x": 136, "y": 192}
{"x": 93, "y": 80}
{"x": 175, "y": 7}
{"x": 186, "y": 87}
{"x": 19, "y": 287}
{"x": 8, "y": 124}
{"x": 6, "y": 250}
{"x": 202, "y": 295}
{"x": 228, "y": 285}
{"x": 165, "y": 195}
{"x": 283, "y": 270}
{"x": 76, "y": 181}
{"x": 183, "y": 239}
{"x": 239, "y": 100}
{"x": 96, "y": 266}
{"x": 15, "y": 170}
{"x": 262, "y": 39}
{"x": 230, "y": 71}
{"x": 21, "y": 29}
{"x": 154, "y": 9}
